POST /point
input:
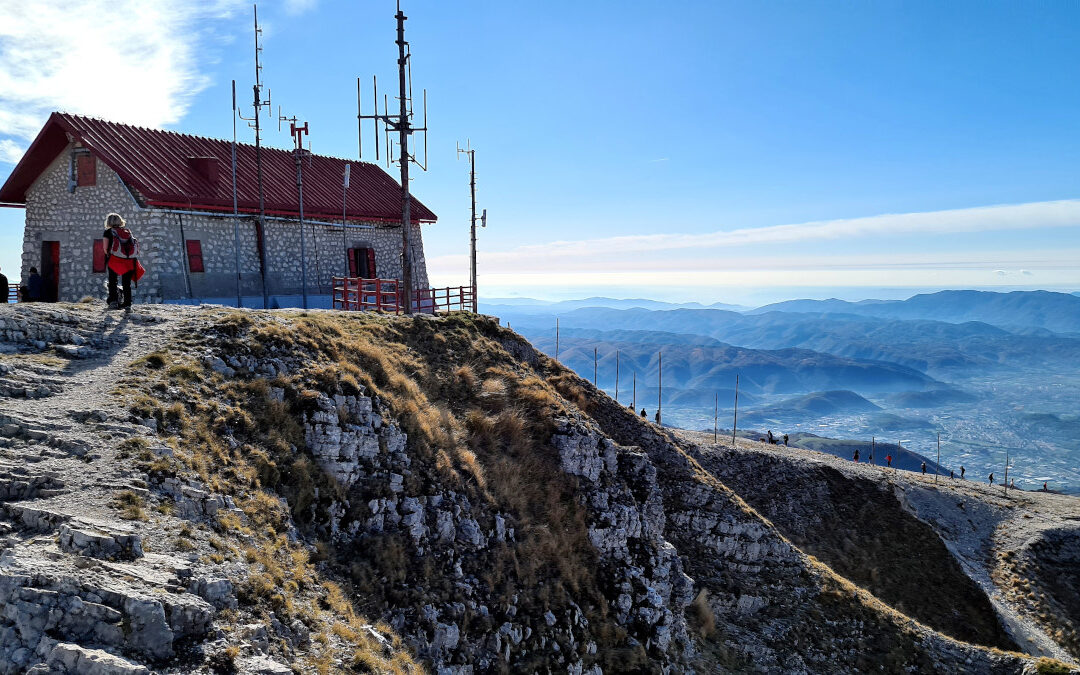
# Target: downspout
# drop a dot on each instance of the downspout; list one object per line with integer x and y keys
{"x": 187, "y": 262}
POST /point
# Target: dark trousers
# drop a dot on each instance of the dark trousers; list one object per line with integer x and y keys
{"x": 126, "y": 283}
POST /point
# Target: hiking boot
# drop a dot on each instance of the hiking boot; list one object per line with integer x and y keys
{"x": 113, "y": 305}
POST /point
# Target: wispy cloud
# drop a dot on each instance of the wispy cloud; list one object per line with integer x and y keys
{"x": 126, "y": 60}
{"x": 299, "y": 6}
{"x": 10, "y": 151}
{"x": 626, "y": 251}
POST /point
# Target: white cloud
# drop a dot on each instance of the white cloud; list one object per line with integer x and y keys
{"x": 299, "y": 6}
{"x": 125, "y": 60}
{"x": 627, "y": 252}
{"x": 10, "y": 151}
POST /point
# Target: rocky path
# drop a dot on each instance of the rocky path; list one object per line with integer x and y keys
{"x": 82, "y": 587}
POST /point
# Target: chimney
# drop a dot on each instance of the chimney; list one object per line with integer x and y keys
{"x": 206, "y": 167}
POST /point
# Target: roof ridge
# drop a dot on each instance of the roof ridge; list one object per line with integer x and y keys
{"x": 209, "y": 138}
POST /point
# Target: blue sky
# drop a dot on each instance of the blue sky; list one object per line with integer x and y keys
{"x": 735, "y": 151}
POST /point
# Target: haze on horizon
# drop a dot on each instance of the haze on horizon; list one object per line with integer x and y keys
{"x": 699, "y": 151}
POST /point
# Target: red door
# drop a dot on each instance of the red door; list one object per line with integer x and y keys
{"x": 50, "y": 271}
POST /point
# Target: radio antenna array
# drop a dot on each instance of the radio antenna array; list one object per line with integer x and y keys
{"x": 400, "y": 123}
{"x": 254, "y": 123}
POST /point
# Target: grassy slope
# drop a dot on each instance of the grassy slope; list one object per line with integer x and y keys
{"x": 478, "y": 404}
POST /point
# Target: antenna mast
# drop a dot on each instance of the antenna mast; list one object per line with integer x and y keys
{"x": 402, "y": 124}
{"x": 467, "y": 150}
{"x": 298, "y": 133}
{"x": 257, "y": 104}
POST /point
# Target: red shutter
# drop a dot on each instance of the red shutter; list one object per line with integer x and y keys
{"x": 99, "y": 256}
{"x": 352, "y": 262}
{"x": 194, "y": 254}
{"x": 371, "y": 264}
{"x": 85, "y": 170}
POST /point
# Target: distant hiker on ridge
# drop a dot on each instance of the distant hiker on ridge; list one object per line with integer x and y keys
{"x": 772, "y": 440}
{"x": 643, "y": 415}
{"x": 888, "y": 461}
{"x": 657, "y": 417}
{"x": 951, "y": 475}
{"x": 924, "y": 468}
{"x": 785, "y": 440}
{"x": 856, "y": 456}
{"x": 991, "y": 479}
{"x": 962, "y": 470}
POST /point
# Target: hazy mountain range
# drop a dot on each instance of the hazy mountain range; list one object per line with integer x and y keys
{"x": 994, "y": 373}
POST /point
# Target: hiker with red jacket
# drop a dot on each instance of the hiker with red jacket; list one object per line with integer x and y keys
{"x": 121, "y": 259}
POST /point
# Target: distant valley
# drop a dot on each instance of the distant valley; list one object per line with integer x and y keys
{"x": 993, "y": 373}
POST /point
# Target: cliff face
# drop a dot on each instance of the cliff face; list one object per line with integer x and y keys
{"x": 212, "y": 490}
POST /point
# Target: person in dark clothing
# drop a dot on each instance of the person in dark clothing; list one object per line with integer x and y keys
{"x": 4, "y": 288}
{"x": 962, "y": 471}
{"x": 855, "y": 457}
{"x": 991, "y": 479}
{"x": 772, "y": 439}
{"x": 1045, "y": 489}
{"x": 33, "y": 286}
{"x": 643, "y": 415}
{"x": 657, "y": 417}
{"x": 785, "y": 440}
{"x": 951, "y": 474}
{"x": 924, "y": 468}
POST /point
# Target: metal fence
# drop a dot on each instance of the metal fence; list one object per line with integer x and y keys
{"x": 386, "y": 295}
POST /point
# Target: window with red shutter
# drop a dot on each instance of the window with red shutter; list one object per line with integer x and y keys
{"x": 85, "y": 170}
{"x": 194, "y": 254}
{"x": 99, "y": 256}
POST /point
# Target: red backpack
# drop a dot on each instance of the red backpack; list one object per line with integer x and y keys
{"x": 124, "y": 244}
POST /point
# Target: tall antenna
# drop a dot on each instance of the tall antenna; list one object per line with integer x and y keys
{"x": 298, "y": 132}
{"x": 236, "y": 220}
{"x": 467, "y": 150}
{"x": 402, "y": 124}
{"x": 253, "y": 121}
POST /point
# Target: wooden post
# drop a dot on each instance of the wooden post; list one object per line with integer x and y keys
{"x": 735, "y": 421}
{"x": 873, "y": 446}
{"x": 594, "y": 366}
{"x": 633, "y": 398}
{"x": 660, "y": 387}
{"x": 938, "y": 457}
{"x": 1006, "y": 471}
{"x": 556, "y": 338}
{"x": 716, "y": 415}
{"x": 616, "y": 375}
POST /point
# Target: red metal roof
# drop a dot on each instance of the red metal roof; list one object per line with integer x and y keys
{"x": 158, "y": 165}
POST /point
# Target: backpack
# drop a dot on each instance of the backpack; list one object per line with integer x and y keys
{"x": 124, "y": 244}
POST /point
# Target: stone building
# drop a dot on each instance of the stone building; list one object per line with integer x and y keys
{"x": 176, "y": 193}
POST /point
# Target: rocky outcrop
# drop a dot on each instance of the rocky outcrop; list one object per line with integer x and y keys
{"x": 475, "y": 505}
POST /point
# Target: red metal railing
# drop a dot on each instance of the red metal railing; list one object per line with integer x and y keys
{"x": 355, "y": 294}
{"x": 364, "y": 295}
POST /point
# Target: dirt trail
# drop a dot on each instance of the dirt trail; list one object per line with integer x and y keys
{"x": 77, "y": 573}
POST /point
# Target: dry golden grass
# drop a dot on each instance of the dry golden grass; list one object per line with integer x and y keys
{"x": 130, "y": 505}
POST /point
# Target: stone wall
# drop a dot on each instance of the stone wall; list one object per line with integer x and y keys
{"x": 75, "y": 219}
